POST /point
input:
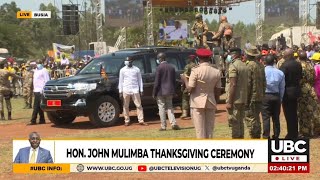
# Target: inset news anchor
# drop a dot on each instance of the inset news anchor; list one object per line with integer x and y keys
{"x": 34, "y": 153}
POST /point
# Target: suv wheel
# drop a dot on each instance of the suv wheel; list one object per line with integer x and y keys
{"x": 105, "y": 112}
{"x": 60, "y": 118}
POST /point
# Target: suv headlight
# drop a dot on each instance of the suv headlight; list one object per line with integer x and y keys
{"x": 82, "y": 87}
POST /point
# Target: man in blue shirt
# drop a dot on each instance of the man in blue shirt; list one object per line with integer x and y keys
{"x": 273, "y": 97}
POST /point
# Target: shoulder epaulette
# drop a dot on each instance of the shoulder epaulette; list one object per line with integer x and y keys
{"x": 195, "y": 67}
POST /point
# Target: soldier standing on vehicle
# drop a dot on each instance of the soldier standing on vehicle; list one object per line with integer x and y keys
{"x": 5, "y": 91}
{"x": 256, "y": 91}
{"x": 224, "y": 29}
{"x": 185, "y": 93}
{"x": 199, "y": 30}
{"x": 236, "y": 90}
{"x": 28, "y": 86}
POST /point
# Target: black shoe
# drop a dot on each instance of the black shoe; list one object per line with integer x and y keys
{"x": 143, "y": 124}
{"x": 162, "y": 129}
{"x": 175, "y": 127}
{"x": 31, "y": 123}
{"x": 42, "y": 122}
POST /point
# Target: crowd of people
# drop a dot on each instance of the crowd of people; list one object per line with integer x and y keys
{"x": 27, "y": 80}
{"x": 260, "y": 79}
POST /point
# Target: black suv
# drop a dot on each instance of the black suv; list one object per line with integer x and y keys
{"x": 88, "y": 94}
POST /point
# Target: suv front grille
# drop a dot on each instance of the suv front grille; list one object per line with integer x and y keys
{"x": 55, "y": 91}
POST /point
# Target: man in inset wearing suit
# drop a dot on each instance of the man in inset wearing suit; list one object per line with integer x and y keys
{"x": 164, "y": 90}
{"x": 33, "y": 154}
{"x": 204, "y": 86}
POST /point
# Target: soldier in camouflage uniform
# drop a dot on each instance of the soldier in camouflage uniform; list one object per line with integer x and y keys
{"x": 236, "y": 90}
{"x": 308, "y": 105}
{"x": 5, "y": 91}
{"x": 228, "y": 43}
{"x": 185, "y": 93}
{"x": 256, "y": 91}
{"x": 222, "y": 31}
{"x": 16, "y": 82}
{"x": 199, "y": 30}
{"x": 28, "y": 86}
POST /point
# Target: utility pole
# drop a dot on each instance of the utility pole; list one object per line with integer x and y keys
{"x": 86, "y": 24}
{"x": 99, "y": 27}
{"x": 258, "y": 22}
{"x": 150, "y": 38}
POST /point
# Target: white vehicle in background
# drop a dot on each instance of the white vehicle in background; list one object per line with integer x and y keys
{"x": 4, "y": 53}
{"x": 296, "y": 35}
{"x": 105, "y": 49}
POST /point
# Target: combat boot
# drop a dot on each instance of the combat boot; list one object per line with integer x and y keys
{"x": 184, "y": 114}
{"x": 2, "y": 116}
{"x": 9, "y": 115}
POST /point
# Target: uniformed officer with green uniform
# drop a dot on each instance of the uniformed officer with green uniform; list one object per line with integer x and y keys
{"x": 256, "y": 91}
{"x": 199, "y": 30}
{"x": 5, "y": 91}
{"x": 237, "y": 92}
{"x": 185, "y": 93}
{"x": 28, "y": 86}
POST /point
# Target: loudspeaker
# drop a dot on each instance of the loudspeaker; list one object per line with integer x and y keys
{"x": 318, "y": 16}
{"x": 70, "y": 19}
{"x": 144, "y": 3}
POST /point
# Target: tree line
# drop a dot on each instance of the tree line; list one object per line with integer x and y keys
{"x": 32, "y": 38}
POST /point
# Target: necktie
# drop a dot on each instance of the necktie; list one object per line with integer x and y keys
{"x": 33, "y": 156}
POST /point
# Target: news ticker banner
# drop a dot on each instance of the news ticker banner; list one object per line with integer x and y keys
{"x": 170, "y": 156}
{"x": 33, "y": 14}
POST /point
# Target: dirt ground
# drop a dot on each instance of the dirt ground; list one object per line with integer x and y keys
{"x": 82, "y": 125}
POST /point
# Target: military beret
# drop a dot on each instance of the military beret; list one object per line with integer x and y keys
{"x": 235, "y": 50}
{"x": 204, "y": 53}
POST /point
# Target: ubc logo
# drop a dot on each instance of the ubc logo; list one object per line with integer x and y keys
{"x": 288, "y": 146}
{"x": 287, "y": 150}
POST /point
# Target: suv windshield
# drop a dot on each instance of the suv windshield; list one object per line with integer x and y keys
{"x": 111, "y": 66}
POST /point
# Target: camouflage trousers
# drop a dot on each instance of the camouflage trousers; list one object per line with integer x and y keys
{"x": 252, "y": 119}
{"x": 204, "y": 42}
{"x": 235, "y": 118}
{"x": 309, "y": 115}
{"x": 18, "y": 87}
{"x": 185, "y": 100}
{"x": 27, "y": 95}
{"x": 5, "y": 95}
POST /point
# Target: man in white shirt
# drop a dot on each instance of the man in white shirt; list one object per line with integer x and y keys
{"x": 64, "y": 61}
{"x": 40, "y": 77}
{"x": 130, "y": 85}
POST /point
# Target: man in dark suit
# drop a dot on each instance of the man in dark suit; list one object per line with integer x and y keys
{"x": 164, "y": 90}
{"x": 33, "y": 154}
{"x": 293, "y": 74}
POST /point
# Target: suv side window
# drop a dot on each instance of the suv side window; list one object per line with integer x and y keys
{"x": 153, "y": 63}
{"x": 173, "y": 60}
{"x": 139, "y": 62}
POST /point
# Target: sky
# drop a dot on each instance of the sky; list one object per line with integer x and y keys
{"x": 244, "y": 12}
